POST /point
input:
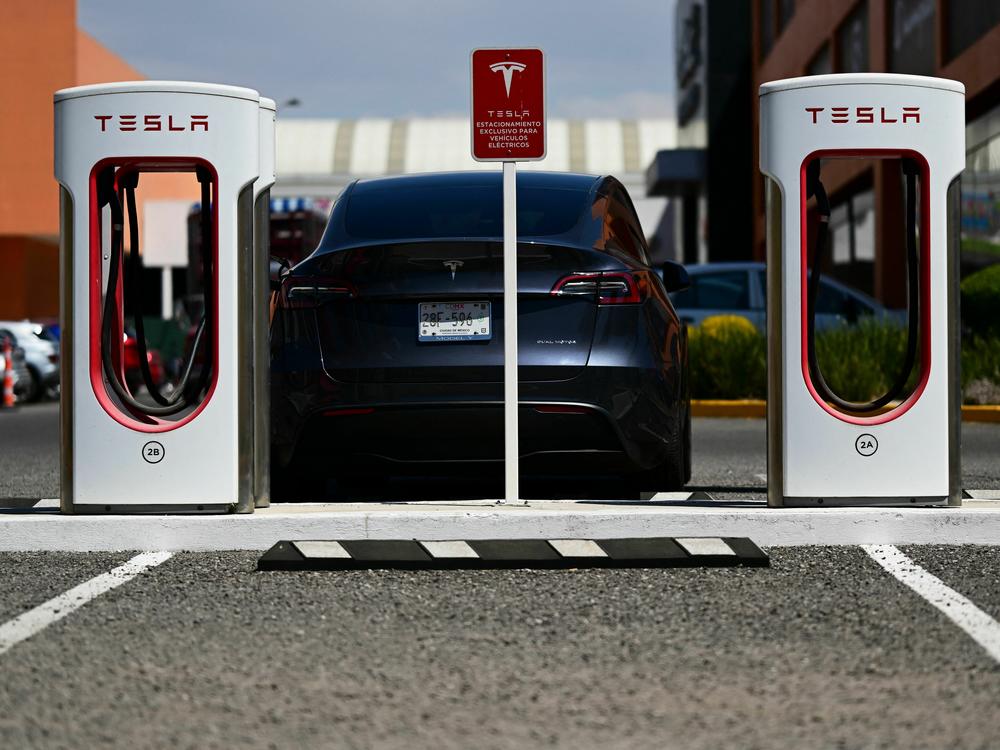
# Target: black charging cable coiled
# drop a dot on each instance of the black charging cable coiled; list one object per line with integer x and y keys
{"x": 814, "y": 187}
{"x": 186, "y": 393}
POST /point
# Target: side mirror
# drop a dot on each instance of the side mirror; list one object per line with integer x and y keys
{"x": 675, "y": 277}
{"x": 279, "y": 267}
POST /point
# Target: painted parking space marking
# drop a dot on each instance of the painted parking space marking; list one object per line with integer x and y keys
{"x": 978, "y": 625}
{"x": 35, "y": 620}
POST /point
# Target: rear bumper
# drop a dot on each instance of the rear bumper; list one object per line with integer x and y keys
{"x": 604, "y": 419}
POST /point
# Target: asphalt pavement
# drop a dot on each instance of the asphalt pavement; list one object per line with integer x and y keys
{"x": 822, "y": 649}
{"x": 729, "y": 459}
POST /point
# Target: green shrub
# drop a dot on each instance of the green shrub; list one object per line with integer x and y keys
{"x": 981, "y": 301}
{"x": 728, "y": 359}
{"x": 861, "y": 362}
{"x": 980, "y": 360}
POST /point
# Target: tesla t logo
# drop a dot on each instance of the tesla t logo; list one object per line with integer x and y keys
{"x": 453, "y": 265}
{"x": 152, "y": 123}
{"x": 508, "y": 69}
{"x": 865, "y": 115}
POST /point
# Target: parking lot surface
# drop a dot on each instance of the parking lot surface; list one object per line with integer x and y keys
{"x": 822, "y": 649}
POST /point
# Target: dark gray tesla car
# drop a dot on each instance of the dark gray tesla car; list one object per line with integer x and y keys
{"x": 387, "y": 341}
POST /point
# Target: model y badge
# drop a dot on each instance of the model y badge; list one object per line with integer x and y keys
{"x": 508, "y": 69}
{"x": 453, "y": 265}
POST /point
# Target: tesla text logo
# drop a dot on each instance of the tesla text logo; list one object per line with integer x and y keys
{"x": 453, "y": 266}
{"x": 508, "y": 69}
{"x": 150, "y": 123}
{"x": 864, "y": 115}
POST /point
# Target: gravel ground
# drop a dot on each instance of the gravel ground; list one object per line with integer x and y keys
{"x": 821, "y": 650}
{"x": 972, "y": 571}
{"x": 31, "y": 578}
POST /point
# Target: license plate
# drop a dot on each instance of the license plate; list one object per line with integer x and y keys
{"x": 454, "y": 321}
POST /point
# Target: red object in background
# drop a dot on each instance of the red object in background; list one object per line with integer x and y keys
{"x": 508, "y": 104}
{"x": 133, "y": 375}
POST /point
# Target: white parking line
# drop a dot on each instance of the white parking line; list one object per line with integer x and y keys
{"x": 978, "y": 625}
{"x": 26, "y": 625}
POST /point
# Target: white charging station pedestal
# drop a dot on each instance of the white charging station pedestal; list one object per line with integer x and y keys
{"x": 122, "y": 449}
{"x": 823, "y": 450}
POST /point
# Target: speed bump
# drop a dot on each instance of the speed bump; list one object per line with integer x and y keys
{"x": 454, "y": 554}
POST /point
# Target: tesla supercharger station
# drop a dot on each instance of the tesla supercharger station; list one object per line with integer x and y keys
{"x": 903, "y": 447}
{"x": 126, "y": 443}
{"x": 260, "y": 312}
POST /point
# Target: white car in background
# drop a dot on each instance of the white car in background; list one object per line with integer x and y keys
{"x": 41, "y": 358}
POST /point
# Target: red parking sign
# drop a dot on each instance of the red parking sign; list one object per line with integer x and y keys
{"x": 508, "y": 105}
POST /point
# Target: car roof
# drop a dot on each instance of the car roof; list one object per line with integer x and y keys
{"x": 558, "y": 180}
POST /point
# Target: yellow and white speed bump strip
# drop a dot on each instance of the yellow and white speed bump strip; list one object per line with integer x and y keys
{"x": 655, "y": 552}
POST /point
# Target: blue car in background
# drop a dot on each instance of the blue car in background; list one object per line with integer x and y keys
{"x": 740, "y": 289}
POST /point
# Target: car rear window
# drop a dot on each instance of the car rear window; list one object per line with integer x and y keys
{"x": 460, "y": 211}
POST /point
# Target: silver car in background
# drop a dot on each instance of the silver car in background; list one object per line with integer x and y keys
{"x": 41, "y": 358}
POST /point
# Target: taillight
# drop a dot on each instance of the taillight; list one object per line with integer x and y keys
{"x": 313, "y": 291}
{"x": 610, "y": 287}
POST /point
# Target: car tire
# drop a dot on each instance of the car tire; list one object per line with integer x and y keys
{"x": 675, "y": 469}
{"x": 34, "y": 390}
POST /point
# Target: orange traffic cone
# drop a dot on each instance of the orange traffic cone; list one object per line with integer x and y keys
{"x": 8, "y": 374}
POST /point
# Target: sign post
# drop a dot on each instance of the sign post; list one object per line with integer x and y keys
{"x": 508, "y": 125}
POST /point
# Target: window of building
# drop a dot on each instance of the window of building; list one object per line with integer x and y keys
{"x": 852, "y": 229}
{"x": 852, "y": 41}
{"x": 981, "y": 194}
{"x": 967, "y": 21}
{"x": 911, "y": 36}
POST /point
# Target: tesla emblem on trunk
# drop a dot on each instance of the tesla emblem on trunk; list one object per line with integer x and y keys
{"x": 453, "y": 265}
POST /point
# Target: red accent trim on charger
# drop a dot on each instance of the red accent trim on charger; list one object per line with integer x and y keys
{"x": 143, "y": 164}
{"x": 925, "y": 280}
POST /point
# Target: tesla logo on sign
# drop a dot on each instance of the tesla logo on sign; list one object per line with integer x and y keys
{"x": 508, "y": 104}
{"x": 508, "y": 69}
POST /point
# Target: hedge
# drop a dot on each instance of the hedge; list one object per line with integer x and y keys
{"x": 728, "y": 360}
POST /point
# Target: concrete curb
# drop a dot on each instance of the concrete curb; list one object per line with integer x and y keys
{"x": 757, "y": 409}
{"x": 40, "y": 531}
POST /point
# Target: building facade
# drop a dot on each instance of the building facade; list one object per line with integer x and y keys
{"x": 706, "y": 173}
{"x": 956, "y": 39}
